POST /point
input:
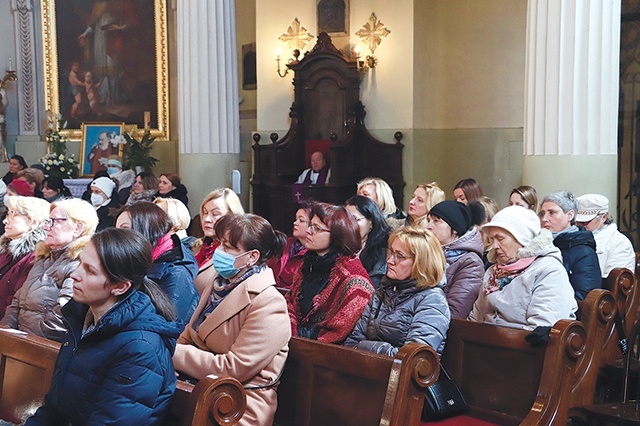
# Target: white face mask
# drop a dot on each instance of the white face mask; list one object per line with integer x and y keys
{"x": 97, "y": 200}
{"x": 5, "y": 199}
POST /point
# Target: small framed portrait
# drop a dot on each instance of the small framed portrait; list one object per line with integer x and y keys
{"x": 99, "y": 142}
{"x": 333, "y": 17}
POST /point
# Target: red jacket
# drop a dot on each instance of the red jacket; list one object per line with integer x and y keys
{"x": 338, "y": 307}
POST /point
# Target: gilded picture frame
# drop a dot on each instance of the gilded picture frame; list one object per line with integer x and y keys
{"x": 97, "y": 145}
{"x": 107, "y": 61}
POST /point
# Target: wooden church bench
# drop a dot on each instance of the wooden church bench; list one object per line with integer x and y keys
{"x": 26, "y": 369}
{"x": 505, "y": 380}
{"x": 326, "y": 384}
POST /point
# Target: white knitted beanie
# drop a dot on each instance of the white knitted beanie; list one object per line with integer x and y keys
{"x": 521, "y": 222}
{"x": 105, "y": 185}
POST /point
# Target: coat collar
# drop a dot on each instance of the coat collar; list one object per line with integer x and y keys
{"x": 234, "y": 302}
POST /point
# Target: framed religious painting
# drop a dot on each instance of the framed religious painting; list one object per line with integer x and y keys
{"x": 106, "y": 61}
{"x": 99, "y": 142}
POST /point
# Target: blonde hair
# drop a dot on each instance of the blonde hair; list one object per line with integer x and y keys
{"x": 36, "y": 209}
{"x": 384, "y": 194}
{"x": 177, "y": 212}
{"x": 230, "y": 198}
{"x": 428, "y": 258}
{"x": 79, "y": 211}
{"x": 435, "y": 195}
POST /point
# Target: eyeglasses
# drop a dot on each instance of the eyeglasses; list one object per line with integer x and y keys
{"x": 51, "y": 221}
{"x": 359, "y": 218}
{"x": 314, "y": 229}
{"x": 397, "y": 256}
{"x": 13, "y": 213}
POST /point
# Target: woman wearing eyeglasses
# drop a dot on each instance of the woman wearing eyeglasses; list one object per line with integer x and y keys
{"x": 332, "y": 288}
{"x": 374, "y": 233}
{"x": 240, "y": 327}
{"x": 410, "y": 305}
{"x": 36, "y": 307}
{"x": 22, "y": 232}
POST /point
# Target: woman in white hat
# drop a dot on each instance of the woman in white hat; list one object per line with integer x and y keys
{"x": 613, "y": 248}
{"x": 103, "y": 190}
{"x": 528, "y": 286}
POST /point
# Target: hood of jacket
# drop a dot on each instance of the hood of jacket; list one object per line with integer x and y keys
{"x": 71, "y": 251}
{"x": 133, "y": 313}
{"x": 581, "y": 237}
{"x": 23, "y": 245}
{"x": 470, "y": 241}
{"x": 541, "y": 245}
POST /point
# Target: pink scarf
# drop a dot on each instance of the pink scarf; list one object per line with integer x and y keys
{"x": 165, "y": 243}
{"x": 503, "y": 274}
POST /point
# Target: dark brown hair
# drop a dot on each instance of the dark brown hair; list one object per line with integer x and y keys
{"x": 173, "y": 178}
{"x": 149, "y": 220}
{"x": 149, "y": 180}
{"x": 253, "y": 232}
{"x": 471, "y": 189}
{"x": 125, "y": 255}
{"x": 343, "y": 227}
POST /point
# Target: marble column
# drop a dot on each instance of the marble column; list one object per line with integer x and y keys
{"x": 571, "y": 99}
{"x": 207, "y": 78}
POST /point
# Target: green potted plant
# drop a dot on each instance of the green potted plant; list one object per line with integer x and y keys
{"x": 137, "y": 153}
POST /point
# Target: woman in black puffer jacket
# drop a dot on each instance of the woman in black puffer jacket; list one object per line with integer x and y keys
{"x": 410, "y": 305}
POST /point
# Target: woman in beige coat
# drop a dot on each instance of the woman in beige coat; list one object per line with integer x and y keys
{"x": 240, "y": 327}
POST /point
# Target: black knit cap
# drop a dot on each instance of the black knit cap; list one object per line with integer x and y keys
{"x": 456, "y": 214}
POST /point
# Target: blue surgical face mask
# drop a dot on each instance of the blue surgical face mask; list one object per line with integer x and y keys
{"x": 112, "y": 170}
{"x": 223, "y": 263}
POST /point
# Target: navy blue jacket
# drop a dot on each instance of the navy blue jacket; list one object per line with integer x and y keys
{"x": 120, "y": 372}
{"x": 174, "y": 272}
{"x": 580, "y": 260}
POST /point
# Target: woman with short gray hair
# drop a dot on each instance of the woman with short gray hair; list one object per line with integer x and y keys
{"x": 578, "y": 247}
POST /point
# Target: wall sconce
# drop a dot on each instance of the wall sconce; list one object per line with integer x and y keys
{"x": 296, "y": 38}
{"x": 369, "y": 61}
{"x": 371, "y": 35}
{"x": 291, "y": 61}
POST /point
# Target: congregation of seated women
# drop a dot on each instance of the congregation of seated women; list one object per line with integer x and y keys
{"x": 153, "y": 299}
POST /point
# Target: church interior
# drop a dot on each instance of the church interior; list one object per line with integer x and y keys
{"x": 239, "y": 93}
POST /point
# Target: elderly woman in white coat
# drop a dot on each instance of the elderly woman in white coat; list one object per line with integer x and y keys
{"x": 528, "y": 286}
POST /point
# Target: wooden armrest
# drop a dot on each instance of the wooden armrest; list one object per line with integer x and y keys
{"x": 565, "y": 347}
{"x": 212, "y": 401}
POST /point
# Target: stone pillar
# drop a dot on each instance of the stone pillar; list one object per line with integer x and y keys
{"x": 571, "y": 98}
{"x": 26, "y": 67}
{"x": 207, "y": 77}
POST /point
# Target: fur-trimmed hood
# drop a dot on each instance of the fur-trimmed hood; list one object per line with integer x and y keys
{"x": 23, "y": 245}
{"x": 71, "y": 251}
{"x": 541, "y": 245}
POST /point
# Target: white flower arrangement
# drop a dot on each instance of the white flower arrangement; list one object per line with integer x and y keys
{"x": 56, "y": 162}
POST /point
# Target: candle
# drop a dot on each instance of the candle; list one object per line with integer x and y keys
{"x": 278, "y": 54}
{"x": 10, "y": 65}
{"x": 147, "y": 119}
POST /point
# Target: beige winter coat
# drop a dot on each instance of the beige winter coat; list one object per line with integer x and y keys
{"x": 245, "y": 337}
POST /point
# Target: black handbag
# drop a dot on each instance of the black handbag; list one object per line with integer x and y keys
{"x": 443, "y": 399}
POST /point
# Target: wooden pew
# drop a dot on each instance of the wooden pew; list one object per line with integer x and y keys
{"x": 624, "y": 286}
{"x": 596, "y": 313}
{"x": 26, "y": 369}
{"x": 327, "y": 384}
{"x": 506, "y": 381}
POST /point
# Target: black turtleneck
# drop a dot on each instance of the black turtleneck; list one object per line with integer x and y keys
{"x": 315, "y": 271}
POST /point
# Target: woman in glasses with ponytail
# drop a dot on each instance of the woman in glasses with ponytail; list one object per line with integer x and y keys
{"x": 114, "y": 366}
{"x": 240, "y": 327}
